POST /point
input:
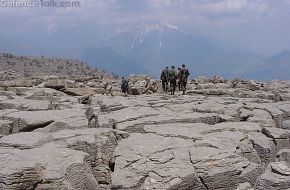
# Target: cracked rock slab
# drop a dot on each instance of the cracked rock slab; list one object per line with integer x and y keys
{"x": 148, "y": 161}
{"x": 220, "y": 169}
{"x": 45, "y": 168}
{"x": 272, "y": 181}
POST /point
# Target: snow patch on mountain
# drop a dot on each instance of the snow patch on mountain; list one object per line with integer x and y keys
{"x": 163, "y": 27}
{"x": 159, "y": 28}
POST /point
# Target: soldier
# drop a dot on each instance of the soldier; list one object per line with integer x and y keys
{"x": 172, "y": 80}
{"x": 164, "y": 79}
{"x": 178, "y": 79}
{"x": 184, "y": 73}
{"x": 125, "y": 85}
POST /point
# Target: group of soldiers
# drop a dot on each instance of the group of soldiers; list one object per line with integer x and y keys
{"x": 171, "y": 78}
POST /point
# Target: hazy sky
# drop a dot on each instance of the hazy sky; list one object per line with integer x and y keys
{"x": 261, "y": 26}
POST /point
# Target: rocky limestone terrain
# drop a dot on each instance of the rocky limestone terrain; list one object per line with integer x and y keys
{"x": 18, "y": 67}
{"x": 81, "y": 133}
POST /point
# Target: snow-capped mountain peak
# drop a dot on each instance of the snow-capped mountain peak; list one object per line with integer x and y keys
{"x": 162, "y": 27}
{"x": 156, "y": 28}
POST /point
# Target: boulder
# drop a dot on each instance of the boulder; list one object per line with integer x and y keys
{"x": 272, "y": 181}
{"x": 6, "y": 127}
{"x": 286, "y": 124}
{"x": 79, "y": 91}
{"x": 264, "y": 146}
{"x": 280, "y": 168}
{"x": 245, "y": 186}
{"x": 284, "y": 155}
{"x": 56, "y": 84}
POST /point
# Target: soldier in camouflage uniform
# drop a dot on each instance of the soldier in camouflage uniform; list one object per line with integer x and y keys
{"x": 164, "y": 79}
{"x": 172, "y": 79}
{"x": 178, "y": 79}
{"x": 184, "y": 73}
{"x": 125, "y": 85}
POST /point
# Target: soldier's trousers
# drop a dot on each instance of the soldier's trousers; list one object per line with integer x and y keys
{"x": 172, "y": 86}
{"x": 165, "y": 85}
{"x": 183, "y": 86}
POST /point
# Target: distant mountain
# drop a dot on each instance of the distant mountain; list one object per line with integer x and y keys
{"x": 107, "y": 59}
{"x": 149, "y": 48}
{"x": 275, "y": 67}
{"x": 162, "y": 45}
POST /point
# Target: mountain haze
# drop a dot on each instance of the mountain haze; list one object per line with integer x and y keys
{"x": 274, "y": 67}
{"x": 107, "y": 59}
{"x": 153, "y": 47}
{"x": 149, "y": 48}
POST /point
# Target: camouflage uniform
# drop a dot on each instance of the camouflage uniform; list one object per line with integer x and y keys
{"x": 125, "y": 85}
{"x": 172, "y": 80}
{"x": 184, "y": 73}
{"x": 164, "y": 79}
{"x": 179, "y": 79}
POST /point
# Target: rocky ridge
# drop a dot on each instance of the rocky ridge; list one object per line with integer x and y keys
{"x": 82, "y": 133}
{"x": 12, "y": 66}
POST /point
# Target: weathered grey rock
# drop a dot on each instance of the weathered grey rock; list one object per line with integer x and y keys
{"x": 79, "y": 91}
{"x": 272, "y": 181}
{"x": 6, "y": 127}
{"x": 281, "y": 137}
{"x": 262, "y": 117}
{"x": 44, "y": 94}
{"x": 25, "y": 140}
{"x": 276, "y": 133}
{"x": 202, "y": 80}
{"x": 245, "y": 186}
{"x": 85, "y": 100}
{"x": 264, "y": 146}
{"x": 14, "y": 67}
{"x": 284, "y": 155}
{"x": 21, "y": 103}
{"x": 150, "y": 161}
{"x": 25, "y": 82}
{"x": 285, "y": 108}
{"x": 45, "y": 168}
{"x": 30, "y": 120}
{"x": 56, "y": 84}
{"x": 92, "y": 118}
{"x": 222, "y": 135}
{"x": 99, "y": 144}
{"x": 220, "y": 169}
{"x": 138, "y": 124}
{"x": 100, "y": 91}
{"x": 286, "y": 124}
{"x": 280, "y": 168}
